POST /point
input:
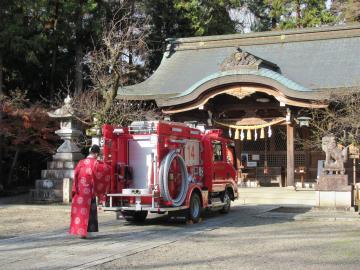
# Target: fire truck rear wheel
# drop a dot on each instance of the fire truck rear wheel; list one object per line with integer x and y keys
{"x": 195, "y": 208}
{"x": 227, "y": 200}
{"x": 135, "y": 216}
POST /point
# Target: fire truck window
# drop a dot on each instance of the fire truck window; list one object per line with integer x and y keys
{"x": 230, "y": 155}
{"x": 217, "y": 151}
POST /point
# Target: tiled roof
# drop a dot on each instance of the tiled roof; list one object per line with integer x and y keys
{"x": 308, "y": 60}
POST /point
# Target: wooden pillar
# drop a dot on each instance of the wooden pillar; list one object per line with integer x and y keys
{"x": 307, "y": 154}
{"x": 290, "y": 155}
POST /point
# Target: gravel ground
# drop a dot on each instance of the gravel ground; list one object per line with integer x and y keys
{"x": 304, "y": 245}
{"x": 256, "y": 243}
{"x": 249, "y": 237}
{"x": 19, "y": 218}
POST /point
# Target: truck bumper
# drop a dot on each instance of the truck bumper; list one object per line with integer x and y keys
{"x": 143, "y": 208}
{"x": 154, "y": 207}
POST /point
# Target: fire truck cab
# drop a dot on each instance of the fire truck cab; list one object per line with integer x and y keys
{"x": 161, "y": 166}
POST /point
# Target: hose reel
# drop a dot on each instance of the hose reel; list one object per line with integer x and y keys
{"x": 164, "y": 181}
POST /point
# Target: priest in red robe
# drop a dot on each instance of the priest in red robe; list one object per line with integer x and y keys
{"x": 91, "y": 179}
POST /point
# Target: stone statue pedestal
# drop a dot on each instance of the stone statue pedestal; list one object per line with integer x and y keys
{"x": 56, "y": 180}
{"x": 333, "y": 191}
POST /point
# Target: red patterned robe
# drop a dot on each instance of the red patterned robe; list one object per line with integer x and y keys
{"x": 91, "y": 178}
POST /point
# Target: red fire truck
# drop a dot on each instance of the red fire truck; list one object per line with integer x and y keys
{"x": 162, "y": 166}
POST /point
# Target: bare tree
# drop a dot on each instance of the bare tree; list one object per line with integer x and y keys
{"x": 341, "y": 118}
{"x": 116, "y": 63}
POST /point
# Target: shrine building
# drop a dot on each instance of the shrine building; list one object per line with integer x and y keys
{"x": 255, "y": 87}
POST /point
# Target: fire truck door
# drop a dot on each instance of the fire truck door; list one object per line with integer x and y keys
{"x": 219, "y": 166}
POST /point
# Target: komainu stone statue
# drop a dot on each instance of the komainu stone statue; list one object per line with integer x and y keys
{"x": 332, "y": 188}
{"x": 335, "y": 157}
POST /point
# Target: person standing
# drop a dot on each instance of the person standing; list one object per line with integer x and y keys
{"x": 91, "y": 179}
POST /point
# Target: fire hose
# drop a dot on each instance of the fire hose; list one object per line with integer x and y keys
{"x": 164, "y": 181}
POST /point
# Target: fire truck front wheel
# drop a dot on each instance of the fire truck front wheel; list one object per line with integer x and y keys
{"x": 195, "y": 208}
{"x": 135, "y": 216}
{"x": 227, "y": 200}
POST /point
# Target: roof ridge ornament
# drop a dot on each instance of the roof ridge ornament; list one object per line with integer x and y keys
{"x": 240, "y": 59}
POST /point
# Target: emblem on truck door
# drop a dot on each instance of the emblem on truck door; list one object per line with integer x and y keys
{"x": 136, "y": 192}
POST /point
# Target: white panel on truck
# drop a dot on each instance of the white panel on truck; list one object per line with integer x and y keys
{"x": 141, "y": 162}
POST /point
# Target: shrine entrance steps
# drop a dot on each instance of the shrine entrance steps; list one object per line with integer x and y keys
{"x": 276, "y": 196}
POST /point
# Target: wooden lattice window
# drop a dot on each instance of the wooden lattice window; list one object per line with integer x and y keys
{"x": 258, "y": 145}
{"x": 279, "y": 160}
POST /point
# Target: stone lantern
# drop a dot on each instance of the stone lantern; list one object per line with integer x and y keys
{"x": 68, "y": 132}
{"x": 56, "y": 180}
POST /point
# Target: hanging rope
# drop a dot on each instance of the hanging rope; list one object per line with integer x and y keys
{"x": 252, "y": 127}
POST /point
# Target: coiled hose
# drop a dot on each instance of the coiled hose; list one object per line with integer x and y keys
{"x": 164, "y": 181}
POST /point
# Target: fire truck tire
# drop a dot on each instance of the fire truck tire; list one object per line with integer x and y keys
{"x": 227, "y": 200}
{"x": 195, "y": 208}
{"x": 135, "y": 216}
{"x": 163, "y": 174}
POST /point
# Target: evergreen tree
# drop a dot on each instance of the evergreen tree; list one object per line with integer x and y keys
{"x": 207, "y": 17}
{"x": 165, "y": 21}
{"x": 287, "y": 14}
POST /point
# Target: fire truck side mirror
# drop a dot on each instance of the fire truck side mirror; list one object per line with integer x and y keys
{"x": 124, "y": 172}
{"x": 127, "y": 173}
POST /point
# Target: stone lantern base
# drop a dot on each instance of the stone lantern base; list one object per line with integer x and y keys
{"x": 56, "y": 181}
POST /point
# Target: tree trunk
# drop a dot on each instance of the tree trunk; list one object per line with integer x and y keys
{"x": 54, "y": 52}
{"x": 79, "y": 49}
{"x": 78, "y": 68}
{"x": 2, "y": 178}
{"x": 1, "y": 75}
{"x": 298, "y": 13}
{"x": 273, "y": 23}
{"x": 52, "y": 75}
{"x": 2, "y": 181}
{"x": 13, "y": 165}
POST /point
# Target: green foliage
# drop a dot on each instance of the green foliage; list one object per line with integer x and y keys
{"x": 315, "y": 14}
{"x": 164, "y": 21}
{"x": 207, "y": 17}
{"x": 180, "y": 18}
{"x": 287, "y": 14}
{"x": 38, "y": 38}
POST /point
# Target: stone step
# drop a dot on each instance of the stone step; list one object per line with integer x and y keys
{"x": 49, "y": 184}
{"x": 295, "y": 194}
{"x": 60, "y": 164}
{"x": 53, "y": 195}
{"x": 276, "y": 196}
{"x": 276, "y": 201}
{"x": 57, "y": 174}
{"x": 280, "y": 190}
